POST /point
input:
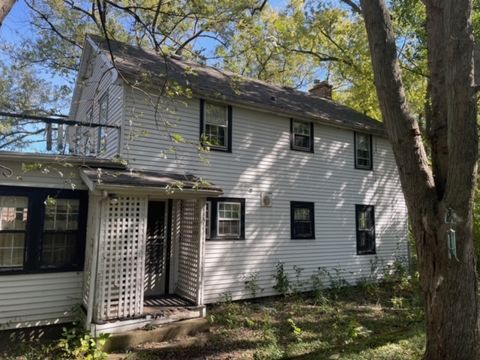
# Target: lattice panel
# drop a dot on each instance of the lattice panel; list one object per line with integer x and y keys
{"x": 122, "y": 260}
{"x": 188, "y": 252}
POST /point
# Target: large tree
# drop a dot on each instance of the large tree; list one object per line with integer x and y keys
{"x": 443, "y": 189}
{"x": 293, "y": 45}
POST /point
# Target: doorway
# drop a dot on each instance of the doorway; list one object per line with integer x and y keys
{"x": 156, "y": 254}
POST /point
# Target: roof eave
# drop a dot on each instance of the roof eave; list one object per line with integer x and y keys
{"x": 75, "y": 160}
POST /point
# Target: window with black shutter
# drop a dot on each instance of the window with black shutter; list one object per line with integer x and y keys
{"x": 301, "y": 135}
{"x": 302, "y": 218}
{"x": 216, "y": 126}
{"x": 363, "y": 151}
{"x": 365, "y": 218}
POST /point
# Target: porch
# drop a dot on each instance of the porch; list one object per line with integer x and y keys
{"x": 145, "y": 249}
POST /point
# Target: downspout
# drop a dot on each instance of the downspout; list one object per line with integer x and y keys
{"x": 93, "y": 275}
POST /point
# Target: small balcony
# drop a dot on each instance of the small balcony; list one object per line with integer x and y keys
{"x": 57, "y": 135}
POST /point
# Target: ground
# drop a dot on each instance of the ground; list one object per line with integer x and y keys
{"x": 367, "y": 322}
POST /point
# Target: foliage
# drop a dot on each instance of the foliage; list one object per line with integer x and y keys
{"x": 75, "y": 344}
{"x": 252, "y": 285}
{"x": 282, "y": 283}
{"x": 317, "y": 283}
{"x": 351, "y": 327}
{"x": 79, "y": 344}
{"x": 231, "y": 314}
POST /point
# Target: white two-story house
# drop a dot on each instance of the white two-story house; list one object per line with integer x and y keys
{"x": 136, "y": 215}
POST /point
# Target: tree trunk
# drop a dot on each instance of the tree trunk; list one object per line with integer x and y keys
{"x": 450, "y": 289}
{"x": 5, "y": 8}
{"x": 449, "y": 285}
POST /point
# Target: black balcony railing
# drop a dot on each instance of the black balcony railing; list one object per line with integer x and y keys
{"x": 56, "y": 135}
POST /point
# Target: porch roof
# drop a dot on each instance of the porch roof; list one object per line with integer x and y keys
{"x": 151, "y": 182}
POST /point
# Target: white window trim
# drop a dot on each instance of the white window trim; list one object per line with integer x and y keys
{"x": 239, "y": 219}
{"x": 369, "y": 158}
{"x": 294, "y": 134}
{"x": 226, "y": 126}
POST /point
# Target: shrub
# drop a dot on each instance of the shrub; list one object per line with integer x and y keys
{"x": 282, "y": 284}
{"x": 78, "y": 344}
{"x": 251, "y": 284}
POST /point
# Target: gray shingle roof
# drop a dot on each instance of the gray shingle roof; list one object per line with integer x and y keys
{"x": 149, "y": 179}
{"x": 144, "y": 66}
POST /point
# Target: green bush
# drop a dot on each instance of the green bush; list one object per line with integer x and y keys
{"x": 78, "y": 344}
{"x": 282, "y": 284}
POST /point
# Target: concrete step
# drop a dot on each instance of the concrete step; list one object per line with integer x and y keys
{"x": 130, "y": 339}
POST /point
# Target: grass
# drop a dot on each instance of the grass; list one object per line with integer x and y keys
{"x": 367, "y": 322}
{"x": 371, "y": 322}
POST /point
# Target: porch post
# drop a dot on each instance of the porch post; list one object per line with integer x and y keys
{"x": 200, "y": 215}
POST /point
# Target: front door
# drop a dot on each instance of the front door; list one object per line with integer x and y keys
{"x": 156, "y": 250}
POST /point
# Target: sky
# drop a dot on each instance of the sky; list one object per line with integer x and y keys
{"x": 16, "y": 28}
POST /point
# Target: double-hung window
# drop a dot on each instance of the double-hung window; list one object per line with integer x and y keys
{"x": 13, "y": 231}
{"x": 41, "y": 229}
{"x": 363, "y": 151}
{"x": 301, "y": 135}
{"x": 102, "y": 120}
{"x": 225, "y": 219}
{"x": 302, "y": 219}
{"x": 365, "y": 219}
{"x": 216, "y": 126}
{"x": 60, "y": 232}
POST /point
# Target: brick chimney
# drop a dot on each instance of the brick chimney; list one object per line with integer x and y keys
{"x": 321, "y": 89}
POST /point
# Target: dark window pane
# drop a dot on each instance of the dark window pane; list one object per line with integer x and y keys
{"x": 303, "y": 228}
{"x": 363, "y": 154}
{"x": 215, "y": 135}
{"x": 302, "y": 220}
{"x": 365, "y": 229}
{"x": 13, "y": 212}
{"x": 62, "y": 214}
{"x": 301, "y": 135}
{"x": 58, "y": 249}
{"x": 302, "y": 141}
{"x": 12, "y": 247}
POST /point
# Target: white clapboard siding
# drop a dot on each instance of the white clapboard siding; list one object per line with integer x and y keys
{"x": 261, "y": 160}
{"x": 97, "y": 79}
{"x": 39, "y": 299}
{"x": 54, "y": 174}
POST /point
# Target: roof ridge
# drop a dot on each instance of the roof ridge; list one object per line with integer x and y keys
{"x": 226, "y": 72}
{"x": 214, "y": 83}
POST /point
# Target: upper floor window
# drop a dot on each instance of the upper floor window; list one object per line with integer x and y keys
{"x": 363, "y": 151}
{"x": 102, "y": 120}
{"x": 301, "y": 135}
{"x": 365, "y": 219}
{"x": 41, "y": 229}
{"x": 302, "y": 220}
{"x": 216, "y": 126}
{"x": 225, "y": 219}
